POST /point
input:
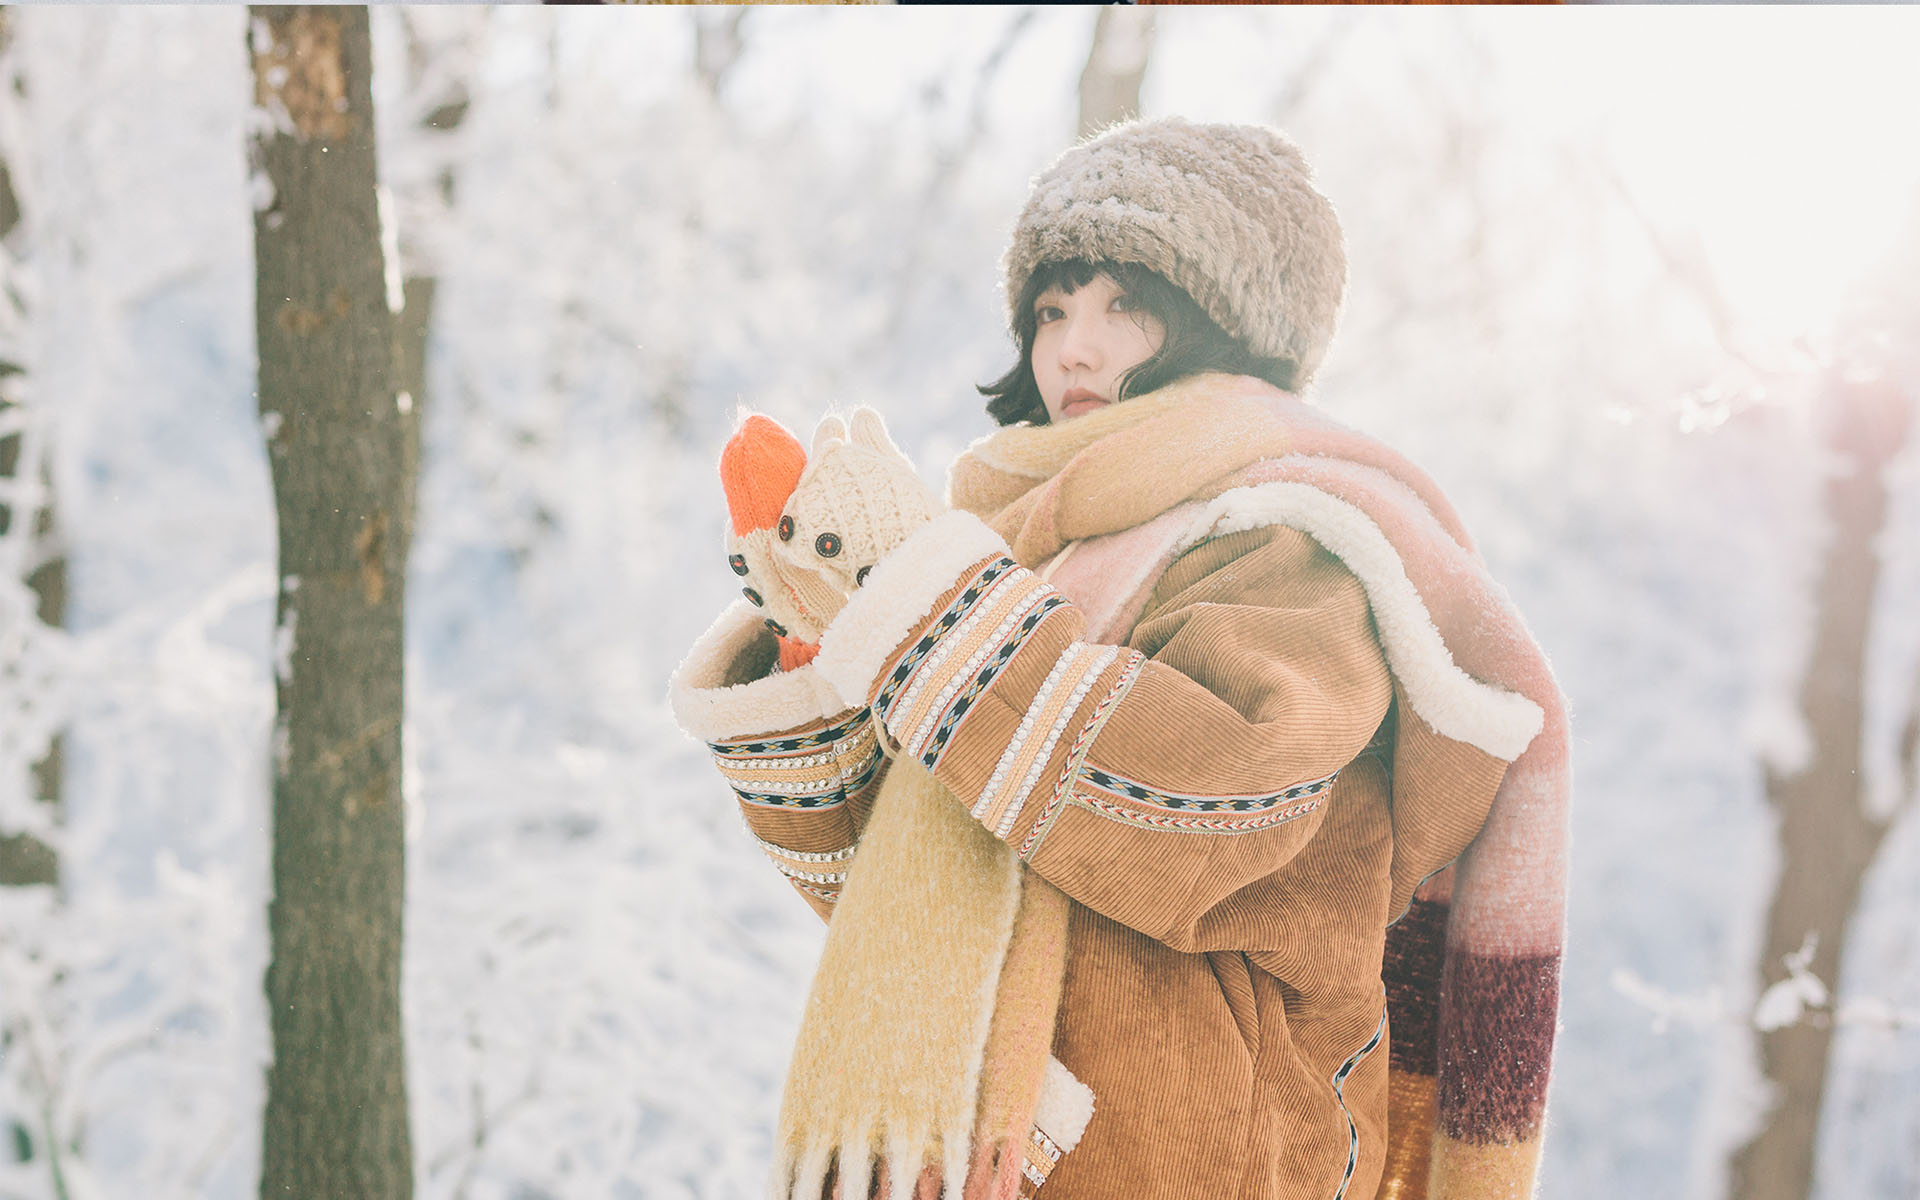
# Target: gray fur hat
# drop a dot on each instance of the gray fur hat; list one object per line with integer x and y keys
{"x": 1228, "y": 213}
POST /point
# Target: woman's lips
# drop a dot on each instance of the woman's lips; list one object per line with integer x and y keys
{"x": 1080, "y": 400}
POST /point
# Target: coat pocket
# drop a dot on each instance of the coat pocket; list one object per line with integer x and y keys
{"x": 1234, "y": 974}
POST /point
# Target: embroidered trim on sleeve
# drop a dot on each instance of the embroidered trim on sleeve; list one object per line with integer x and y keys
{"x": 1003, "y": 596}
{"x": 831, "y": 897}
{"x": 1077, "y": 756}
{"x": 1041, "y": 1156}
{"x": 1026, "y": 756}
{"x": 804, "y": 856}
{"x": 829, "y": 791}
{"x": 1107, "y": 794}
{"x": 798, "y": 741}
{"x": 931, "y": 747}
{"x": 1264, "y": 820}
{"x": 780, "y": 773}
{"x": 810, "y": 876}
{"x": 1133, "y": 790}
{"x": 801, "y": 867}
{"x": 937, "y": 682}
{"x": 889, "y": 691}
{"x": 969, "y": 645}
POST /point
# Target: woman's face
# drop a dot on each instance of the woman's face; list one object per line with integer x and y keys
{"x": 1084, "y": 341}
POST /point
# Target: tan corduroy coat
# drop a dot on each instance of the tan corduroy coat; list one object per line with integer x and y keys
{"x": 1227, "y": 845}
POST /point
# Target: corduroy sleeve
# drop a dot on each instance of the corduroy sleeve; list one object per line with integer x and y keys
{"x": 803, "y": 765}
{"x": 1149, "y": 781}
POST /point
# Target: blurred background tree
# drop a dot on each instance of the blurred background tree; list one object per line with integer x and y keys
{"x": 336, "y": 1121}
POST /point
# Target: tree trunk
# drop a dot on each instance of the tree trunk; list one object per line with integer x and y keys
{"x": 1116, "y": 63}
{"x": 1828, "y": 840}
{"x": 336, "y": 1113}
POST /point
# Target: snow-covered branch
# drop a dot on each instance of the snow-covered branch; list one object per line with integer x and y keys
{"x": 1800, "y": 997}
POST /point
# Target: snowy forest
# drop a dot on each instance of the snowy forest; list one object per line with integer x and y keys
{"x": 1639, "y": 286}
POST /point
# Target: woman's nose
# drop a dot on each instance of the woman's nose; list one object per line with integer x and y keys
{"x": 1079, "y": 344}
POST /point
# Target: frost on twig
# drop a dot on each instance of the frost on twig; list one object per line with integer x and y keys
{"x": 1801, "y": 997}
{"x": 1799, "y": 994}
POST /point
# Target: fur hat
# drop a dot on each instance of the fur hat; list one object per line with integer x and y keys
{"x": 1226, "y": 212}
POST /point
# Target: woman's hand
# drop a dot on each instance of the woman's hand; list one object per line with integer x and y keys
{"x": 857, "y": 499}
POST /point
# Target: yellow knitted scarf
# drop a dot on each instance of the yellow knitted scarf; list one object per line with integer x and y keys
{"x": 1043, "y": 486}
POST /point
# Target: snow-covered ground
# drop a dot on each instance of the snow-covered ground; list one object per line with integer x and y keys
{"x": 602, "y": 976}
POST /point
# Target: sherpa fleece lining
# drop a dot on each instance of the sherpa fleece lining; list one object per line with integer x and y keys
{"x": 713, "y": 712}
{"x": 900, "y": 592}
{"x": 1065, "y": 1107}
{"x": 903, "y": 587}
{"x": 1458, "y": 706}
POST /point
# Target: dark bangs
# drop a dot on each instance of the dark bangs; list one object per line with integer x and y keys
{"x": 1194, "y": 343}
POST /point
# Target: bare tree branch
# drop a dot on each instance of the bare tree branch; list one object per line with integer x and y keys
{"x": 1306, "y": 74}
{"x": 948, "y": 162}
{"x": 717, "y": 46}
{"x": 1686, "y": 264}
{"x": 1116, "y": 64}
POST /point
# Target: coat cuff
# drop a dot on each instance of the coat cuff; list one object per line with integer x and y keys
{"x": 897, "y": 599}
{"x": 705, "y": 706}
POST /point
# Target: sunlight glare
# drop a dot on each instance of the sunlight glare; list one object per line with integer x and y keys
{"x": 1785, "y": 144}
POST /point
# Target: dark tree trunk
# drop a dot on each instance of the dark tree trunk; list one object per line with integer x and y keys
{"x": 336, "y": 1114}
{"x": 1828, "y": 840}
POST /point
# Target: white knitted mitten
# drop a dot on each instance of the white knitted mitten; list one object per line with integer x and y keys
{"x": 858, "y": 498}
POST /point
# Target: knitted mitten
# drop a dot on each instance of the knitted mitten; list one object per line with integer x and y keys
{"x": 856, "y": 500}
{"x": 759, "y": 468}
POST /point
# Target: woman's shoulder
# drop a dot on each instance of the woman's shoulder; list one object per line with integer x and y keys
{"x": 1258, "y": 615}
{"x": 1269, "y": 565}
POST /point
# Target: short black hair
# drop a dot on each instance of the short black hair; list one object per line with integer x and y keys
{"x": 1194, "y": 341}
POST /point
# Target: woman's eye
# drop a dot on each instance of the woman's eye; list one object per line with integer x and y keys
{"x": 1125, "y": 303}
{"x": 1046, "y": 313}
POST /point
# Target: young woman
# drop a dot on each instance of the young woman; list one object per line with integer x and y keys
{"x": 1131, "y": 781}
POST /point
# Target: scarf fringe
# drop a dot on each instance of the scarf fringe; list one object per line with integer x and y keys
{"x": 890, "y": 1058}
{"x": 857, "y": 1169}
{"x": 995, "y": 1172}
{"x": 806, "y": 1177}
